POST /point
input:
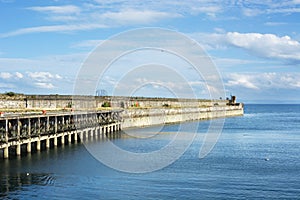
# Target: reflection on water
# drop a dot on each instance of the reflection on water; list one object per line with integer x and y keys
{"x": 10, "y": 183}
{"x": 37, "y": 168}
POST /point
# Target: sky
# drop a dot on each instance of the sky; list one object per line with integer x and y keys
{"x": 255, "y": 46}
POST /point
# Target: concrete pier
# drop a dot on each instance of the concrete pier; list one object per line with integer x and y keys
{"x": 53, "y": 129}
{"x": 62, "y": 125}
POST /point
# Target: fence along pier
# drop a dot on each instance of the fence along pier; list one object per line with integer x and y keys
{"x": 46, "y": 130}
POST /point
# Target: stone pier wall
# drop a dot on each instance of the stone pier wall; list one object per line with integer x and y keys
{"x": 137, "y": 111}
{"x": 92, "y": 102}
{"x": 148, "y": 117}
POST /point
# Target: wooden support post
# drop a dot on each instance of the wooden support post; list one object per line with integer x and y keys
{"x": 48, "y": 143}
{"x": 63, "y": 139}
{"x": 69, "y": 138}
{"x": 75, "y": 136}
{"x": 38, "y": 145}
{"x": 55, "y": 141}
{"x": 5, "y": 152}
{"x": 81, "y": 135}
{"x": 96, "y": 132}
{"x": 18, "y": 149}
{"x": 28, "y": 147}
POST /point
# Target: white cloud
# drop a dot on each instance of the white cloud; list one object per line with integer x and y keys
{"x": 254, "y": 8}
{"x": 43, "y": 76}
{"x": 104, "y": 14}
{"x": 44, "y": 85}
{"x": 194, "y": 7}
{"x": 251, "y": 12}
{"x": 5, "y": 75}
{"x": 87, "y": 44}
{"x": 242, "y": 80}
{"x": 19, "y": 75}
{"x": 91, "y": 21}
{"x": 67, "y": 9}
{"x": 263, "y": 81}
{"x": 275, "y": 23}
{"x": 261, "y": 45}
{"x": 54, "y": 28}
{"x": 266, "y": 45}
{"x": 132, "y": 16}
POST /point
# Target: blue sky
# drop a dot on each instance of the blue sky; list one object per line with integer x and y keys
{"x": 254, "y": 44}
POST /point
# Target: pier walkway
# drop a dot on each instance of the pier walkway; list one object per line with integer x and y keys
{"x": 41, "y": 131}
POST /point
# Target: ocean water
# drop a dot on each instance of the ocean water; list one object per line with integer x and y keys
{"x": 256, "y": 157}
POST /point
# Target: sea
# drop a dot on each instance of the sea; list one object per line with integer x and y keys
{"x": 257, "y": 156}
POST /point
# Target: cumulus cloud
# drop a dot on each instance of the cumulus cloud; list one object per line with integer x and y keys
{"x": 5, "y": 75}
{"x": 266, "y": 45}
{"x": 19, "y": 75}
{"x": 44, "y": 85}
{"x": 242, "y": 80}
{"x": 263, "y": 81}
{"x": 43, "y": 76}
{"x": 30, "y": 81}
{"x": 261, "y": 45}
{"x": 9, "y": 76}
{"x": 43, "y": 79}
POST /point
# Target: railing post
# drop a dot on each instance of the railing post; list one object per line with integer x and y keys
{"x": 39, "y": 126}
{"x": 29, "y": 128}
{"x": 47, "y": 125}
{"x": 55, "y": 124}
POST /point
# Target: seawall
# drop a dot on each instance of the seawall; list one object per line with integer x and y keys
{"x": 155, "y": 116}
{"x": 137, "y": 111}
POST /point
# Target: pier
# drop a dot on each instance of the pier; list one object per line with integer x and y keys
{"x": 24, "y": 128}
{"x": 43, "y": 131}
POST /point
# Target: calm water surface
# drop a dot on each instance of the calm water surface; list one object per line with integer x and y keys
{"x": 256, "y": 157}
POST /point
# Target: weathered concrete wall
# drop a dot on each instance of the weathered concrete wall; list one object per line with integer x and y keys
{"x": 148, "y": 117}
{"x": 82, "y": 102}
{"x": 138, "y": 111}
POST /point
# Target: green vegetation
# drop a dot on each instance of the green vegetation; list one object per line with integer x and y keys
{"x": 69, "y": 105}
{"x": 10, "y": 94}
{"x": 106, "y": 104}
